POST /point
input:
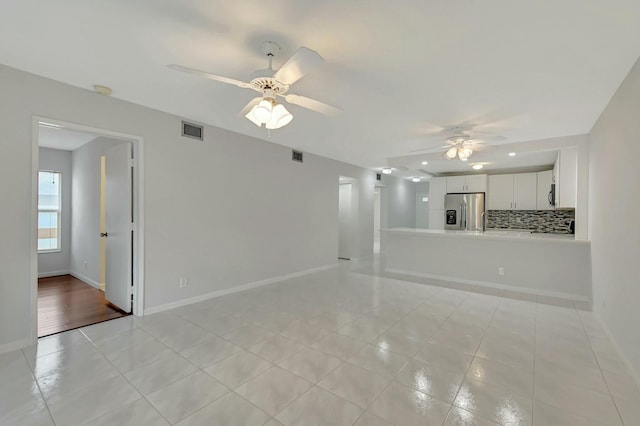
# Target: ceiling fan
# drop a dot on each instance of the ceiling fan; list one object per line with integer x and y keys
{"x": 272, "y": 84}
{"x": 459, "y": 143}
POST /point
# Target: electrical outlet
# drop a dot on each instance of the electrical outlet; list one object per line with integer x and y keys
{"x": 184, "y": 282}
{"x": 501, "y": 271}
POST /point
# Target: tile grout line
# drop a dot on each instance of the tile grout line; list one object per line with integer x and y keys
{"x": 33, "y": 376}
{"x": 474, "y": 356}
{"x": 142, "y": 395}
{"x": 600, "y": 368}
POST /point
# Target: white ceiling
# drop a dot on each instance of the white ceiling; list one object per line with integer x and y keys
{"x": 60, "y": 138}
{"x": 524, "y": 70}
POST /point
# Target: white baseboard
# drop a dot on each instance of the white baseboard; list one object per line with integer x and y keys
{"x": 86, "y": 279}
{"x": 248, "y": 286}
{"x": 53, "y": 273}
{"x": 495, "y": 286}
{"x": 13, "y": 346}
{"x": 630, "y": 367}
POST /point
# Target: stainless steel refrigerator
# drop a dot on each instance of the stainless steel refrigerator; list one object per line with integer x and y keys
{"x": 464, "y": 212}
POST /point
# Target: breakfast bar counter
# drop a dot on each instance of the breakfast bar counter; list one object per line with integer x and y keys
{"x": 544, "y": 266}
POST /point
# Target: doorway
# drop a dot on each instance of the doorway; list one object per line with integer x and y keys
{"x": 87, "y": 240}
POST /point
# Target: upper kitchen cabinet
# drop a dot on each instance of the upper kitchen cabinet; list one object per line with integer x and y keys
{"x": 470, "y": 183}
{"x": 566, "y": 178}
{"x": 513, "y": 191}
{"x": 545, "y": 179}
{"x": 525, "y": 192}
{"x": 500, "y": 196}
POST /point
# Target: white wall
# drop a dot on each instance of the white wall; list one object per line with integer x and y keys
{"x": 422, "y": 208}
{"x": 614, "y": 206}
{"x": 224, "y": 212}
{"x": 400, "y": 199}
{"x": 85, "y": 226}
{"x": 58, "y": 263}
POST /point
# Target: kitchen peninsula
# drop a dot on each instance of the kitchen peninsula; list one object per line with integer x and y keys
{"x": 550, "y": 268}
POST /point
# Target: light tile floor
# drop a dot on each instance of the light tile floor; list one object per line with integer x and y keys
{"x": 335, "y": 348}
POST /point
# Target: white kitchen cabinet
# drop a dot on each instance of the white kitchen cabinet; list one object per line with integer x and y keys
{"x": 566, "y": 178}
{"x": 513, "y": 191}
{"x": 476, "y": 183}
{"x": 525, "y": 193}
{"x": 544, "y": 187}
{"x": 437, "y": 191}
{"x": 470, "y": 183}
{"x": 456, "y": 183}
{"x": 500, "y": 192}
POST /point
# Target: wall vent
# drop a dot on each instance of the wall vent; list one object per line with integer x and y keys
{"x": 378, "y": 176}
{"x": 296, "y": 155}
{"x": 191, "y": 130}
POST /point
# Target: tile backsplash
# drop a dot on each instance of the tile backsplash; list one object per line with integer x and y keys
{"x": 551, "y": 221}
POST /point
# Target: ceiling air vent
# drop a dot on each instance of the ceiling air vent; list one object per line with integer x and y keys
{"x": 378, "y": 176}
{"x": 296, "y": 155}
{"x": 191, "y": 130}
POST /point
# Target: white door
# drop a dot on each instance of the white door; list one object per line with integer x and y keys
{"x": 344, "y": 221}
{"x": 118, "y": 236}
{"x": 525, "y": 191}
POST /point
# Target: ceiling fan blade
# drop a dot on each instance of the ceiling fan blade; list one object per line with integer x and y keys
{"x": 302, "y": 62}
{"x": 312, "y": 104}
{"x": 210, "y": 76}
{"x": 253, "y": 102}
{"x": 432, "y": 149}
{"x": 487, "y": 139}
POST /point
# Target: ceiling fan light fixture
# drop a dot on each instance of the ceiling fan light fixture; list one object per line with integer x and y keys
{"x": 262, "y": 111}
{"x": 464, "y": 153}
{"x": 253, "y": 118}
{"x": 279, "y": 117}
{"x": 386, "y": 170}
{"x": 451, "y": 153}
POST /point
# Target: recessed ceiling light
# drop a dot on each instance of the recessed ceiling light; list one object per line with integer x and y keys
{"x": 386, "y": 170}
{"x": 477, "y": 166}
{"x": 463, "y": 159}
{"x": 424, "y": 163}
{"x": 415, "y": 179}
{"x": 512, "y": 154}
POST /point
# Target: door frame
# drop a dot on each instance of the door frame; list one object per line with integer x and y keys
{"x": 138, "y": 212}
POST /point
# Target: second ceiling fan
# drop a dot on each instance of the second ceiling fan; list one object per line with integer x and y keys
{"x": 274, "y": 84}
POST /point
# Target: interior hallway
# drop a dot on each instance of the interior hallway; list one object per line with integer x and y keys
{"x": 334, "y": 347}
{"x": 65, "y": 303}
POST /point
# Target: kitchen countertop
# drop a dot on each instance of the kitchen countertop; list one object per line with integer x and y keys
{"x": 494, "y": 234}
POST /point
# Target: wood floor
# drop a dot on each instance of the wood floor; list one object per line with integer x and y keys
{"x": 65, "y": 303}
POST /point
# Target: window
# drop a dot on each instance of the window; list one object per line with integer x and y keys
{"x": 49, "y": 210}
